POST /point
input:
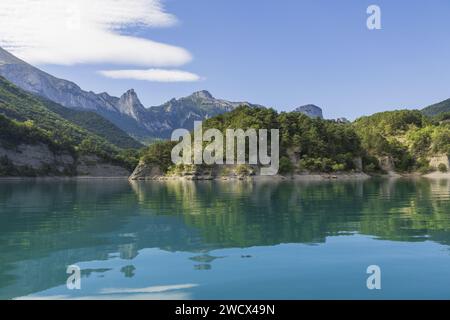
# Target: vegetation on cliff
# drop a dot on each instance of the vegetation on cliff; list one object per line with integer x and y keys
{"x": 306, "y": 144}
{"x": 26, "y": 119}
{"x": 407, "y": 137}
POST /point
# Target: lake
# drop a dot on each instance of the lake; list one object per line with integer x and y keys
{"x": 225, "y": 240}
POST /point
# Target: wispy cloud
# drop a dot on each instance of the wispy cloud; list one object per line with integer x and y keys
{"x": 87, "y": 31}
{"x": 155, "y": 75}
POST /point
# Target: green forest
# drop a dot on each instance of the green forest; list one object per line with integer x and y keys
{"x": 408, "y": 137}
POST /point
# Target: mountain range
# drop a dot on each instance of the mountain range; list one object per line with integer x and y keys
{"x": 126, "y": 112}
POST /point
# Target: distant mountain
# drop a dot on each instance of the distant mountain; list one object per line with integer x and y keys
{"x": 310, "y": 110}
{"x": 126, "y": 112}
{"x": 83, "y": 118}
{"x": 63, "y": 92}
{"x": 437, "y": 108}
{"x": 94, "y": 123}
{"x": 181, "y": 113}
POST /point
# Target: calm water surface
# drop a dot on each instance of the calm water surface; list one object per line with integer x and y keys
{"x": 225, "y": 240}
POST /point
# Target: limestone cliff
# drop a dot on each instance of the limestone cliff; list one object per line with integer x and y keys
{"x": 39, "y": 160}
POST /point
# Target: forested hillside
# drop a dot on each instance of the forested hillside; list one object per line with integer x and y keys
{"x": 27, "y": 117}
{"x": 96, "y": 124}
{"x": 20, "y": 105}
{"x": 306, "y": 144}
{"x": 406, "y": 138}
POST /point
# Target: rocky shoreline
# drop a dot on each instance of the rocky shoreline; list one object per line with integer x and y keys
{"x": 145, "y": 172}
{"x": 304, "y": 177}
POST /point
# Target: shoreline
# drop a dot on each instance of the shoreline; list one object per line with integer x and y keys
{"x": 257, "y": 178}
{"x": 437, "y": 175}
{"x": 60, "y": 178}
{"x": 296, "y": 177}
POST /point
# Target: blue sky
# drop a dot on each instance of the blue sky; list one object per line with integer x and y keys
{"x": 288, "y": 53}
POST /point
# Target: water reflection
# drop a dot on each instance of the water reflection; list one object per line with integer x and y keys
{"x": 46, "y": 226}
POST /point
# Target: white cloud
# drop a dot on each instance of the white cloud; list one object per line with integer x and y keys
{"x": 156, "y": 75}
{"x": 86, "y": 31}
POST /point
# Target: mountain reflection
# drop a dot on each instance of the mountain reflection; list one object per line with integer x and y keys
{"x": 46, "y": 226}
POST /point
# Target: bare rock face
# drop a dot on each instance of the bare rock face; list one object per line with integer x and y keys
{"x": 126, "y": 112}
{"x": 45, "y": 162}
{"x": 358, "y": 164}
{"x": 386, "y": 163}
{"x": 436, "y": 160}
{"x": 43, "y": 84}
{"x": 146, "y": 172}
{"x": 311, "y": 111}
{"x": 38, "y": 157}
{"x": 130, "y": 105}
{"x": 93, "y": 166}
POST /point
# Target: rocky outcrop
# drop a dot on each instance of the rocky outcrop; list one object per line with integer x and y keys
{"x": 232, "y": 172}
{"x": 437, "y": 160}
{"x": 40, "y": 160}
{"x": 146, "y": 172}
{"x": 358, "y": 163}
{"x": 183, "y": 112}
{"x": 93, "y": 166}
{"x": 191, "y": 172}
{"x": 386, "y": 163}
{"x": 311, "y": 111}
{"x": 126, "y": 112}
{"x": 130, "y": 105}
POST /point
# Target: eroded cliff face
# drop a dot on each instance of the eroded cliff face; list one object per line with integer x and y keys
{"x": 439, "y": 159}
{"x": 146, "y": 172}
{"x": 387, "y": 165}
{"x": 93, "y": 166}
{"x": 40, "y": 160}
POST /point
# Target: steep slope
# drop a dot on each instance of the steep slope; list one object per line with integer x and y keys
{"x": 31, "y": 111}
{"x": 310, "y": 110}
{"x": 181, "y": 113}
{"x": 94, "y": 123}
{"x": 26, "y": 150}
{"x": 43, "y": 84}
{"x": 63, "y": 92}
{"x": 404, "y": 140}
{"x": 126, "y": 112}
{"x": 438, "y": 108}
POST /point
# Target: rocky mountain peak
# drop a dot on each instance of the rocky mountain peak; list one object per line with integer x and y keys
{"x": 126, "y": 112}
{"x": 130, "y": 104}
{"x": 130, "y": 95}
{"x": 130, "y": 92}
{"x": 310, "y": 110}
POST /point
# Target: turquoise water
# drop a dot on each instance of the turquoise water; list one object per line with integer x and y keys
{"x": 225, "y": 240}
